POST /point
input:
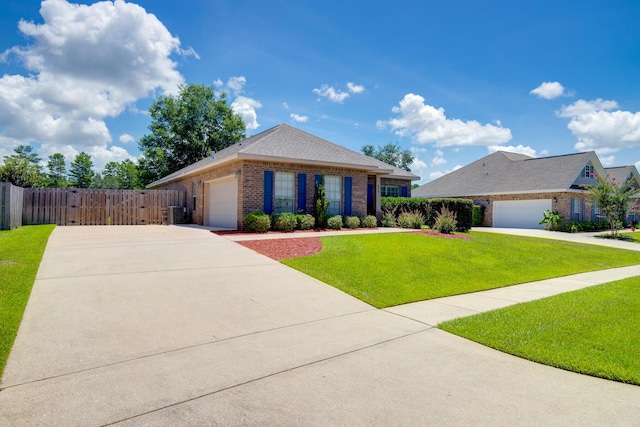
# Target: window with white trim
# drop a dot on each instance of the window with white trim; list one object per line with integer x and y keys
{"x": 333, "y": 192}
{"x": 284, "y": 190}
{"x": 588, "y": 171}
{"x": 390, "y": 191}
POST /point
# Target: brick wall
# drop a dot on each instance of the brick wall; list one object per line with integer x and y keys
{"x": 250, "y": 175}
{"x": 562, "y": 204}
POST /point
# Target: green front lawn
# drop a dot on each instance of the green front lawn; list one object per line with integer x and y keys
{"x": 390, "y": 269}
{"x": 631, "y": 235}
{"x": 592, "y": 331}
{"x": 20, "y": 254}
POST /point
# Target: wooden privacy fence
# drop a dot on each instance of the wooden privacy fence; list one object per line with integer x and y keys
{"x": 10, "y": 206}
{"x": 74, "y": 206}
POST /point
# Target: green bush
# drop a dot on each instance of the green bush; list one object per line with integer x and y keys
{"x": 411, "y": 220}
{"x": 579, "y": 226}
{"x": 285, "y": 222}
{"x": 388, "y": 219}
{"x": 369, "y": 221}
{"x": 257, "y": 222}
{"x": 305, "y": 221}
{"x": 352, "y": 222}
{"x": 477, "y": 215}
{"x": 429, "y": 208}
{"x": 335, "y": 222}
{"x": 445, "y": 221}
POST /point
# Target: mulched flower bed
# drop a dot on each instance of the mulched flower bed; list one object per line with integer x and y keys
{"x": 285, "y": 248}
{"x": 279, "y": 249}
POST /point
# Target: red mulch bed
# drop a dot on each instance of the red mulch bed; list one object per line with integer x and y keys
{"x": 304, "y": 246}
{"x": 285, "y": 248}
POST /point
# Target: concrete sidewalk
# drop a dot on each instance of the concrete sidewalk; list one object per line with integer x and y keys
{"x": 157, "y": 325}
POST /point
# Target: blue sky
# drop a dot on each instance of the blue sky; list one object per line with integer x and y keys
{"x": 453, "y": 81}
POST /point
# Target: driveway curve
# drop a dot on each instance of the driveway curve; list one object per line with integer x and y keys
{"x": 158, "y": 325}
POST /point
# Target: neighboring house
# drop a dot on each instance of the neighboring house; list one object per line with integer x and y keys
{"x": 516, "y": 189}
{"x": 276, "y": 171}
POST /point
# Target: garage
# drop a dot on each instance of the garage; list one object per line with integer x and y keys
{"x": 519, "y": 213}
{"x": 222, "y": 203}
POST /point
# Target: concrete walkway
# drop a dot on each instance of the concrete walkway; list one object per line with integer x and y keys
{"x": 156, "y": 325}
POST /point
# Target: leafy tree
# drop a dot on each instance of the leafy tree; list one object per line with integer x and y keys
{"x": 320, "y": 204}
{"x": 391, "y": 154}
{"x": 614, "y": 199}
{"x": 185, "y": 129}
{"x": 81, "y": 171}
{"x": 109, "y": 178}
{"x": 22, "y": 168}
{"x": 57, "y": 171}
{"x": 128, "y": 175}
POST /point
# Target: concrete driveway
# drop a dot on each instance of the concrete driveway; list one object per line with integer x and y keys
{"x": 156, "y": 325}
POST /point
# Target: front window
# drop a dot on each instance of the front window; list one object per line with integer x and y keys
{"x": 333, "y": 192}
{"x": 389, "y": 191}
{"x": 576, "y": 209}
{"x": 588, "y": 171}
{"x": 284, "y": 192}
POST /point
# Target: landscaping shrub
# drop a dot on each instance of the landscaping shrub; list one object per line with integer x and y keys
{"x": 445, "y": 221}
{"x": 352, "y": 222}
{"x": 335, "y": 222}
{"x": 411, "y": 220}
{"x": 285, "y": 222}
{"x": 429, "y": 208}
{"x": 257, "y": 222}
{"x": 579, "y": 226}
{"x": 305, "y": 221}
{"x": 369, "y": 221}
{"x": 477, "y": 215}
{"x": 320, "y": 204}
{"x": 388, "y": 219}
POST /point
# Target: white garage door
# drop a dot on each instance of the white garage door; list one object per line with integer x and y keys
{"x": 519, "y": 213}
{"x": 222, "y": 203}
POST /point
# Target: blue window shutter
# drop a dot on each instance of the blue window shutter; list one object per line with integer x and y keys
{"x": 347, "y": 195}
{"x": 404, "y": 191}
{"x": 302, "y": 192}
{"x": 318, "y": 179}
{"x": 268, "y": 192}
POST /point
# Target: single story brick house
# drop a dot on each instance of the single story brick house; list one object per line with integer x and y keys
{"x": 276, "y": 171}
{"x": 516, "y": 189}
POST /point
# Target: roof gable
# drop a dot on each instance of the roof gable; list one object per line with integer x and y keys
{"x": 284, "y": 143}
{"x": 509, "y": 173}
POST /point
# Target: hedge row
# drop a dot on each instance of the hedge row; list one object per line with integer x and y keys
{"x": 430, "y": 208}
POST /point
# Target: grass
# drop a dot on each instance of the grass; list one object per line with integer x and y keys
{"x": 592, "y": 331}
{"x": 20, "y": 254}
{"x": 390, "y": 269}
{"x": 632, "y": 236}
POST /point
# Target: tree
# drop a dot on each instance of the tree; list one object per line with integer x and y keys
{"x": 81, "y": 171}
{"x": 613, "y": 198}
{"x": 22, "y": 168}
{"x": 320, "y": 204}
{"x": 57, "y": 171}
{"x": 185, "y": 129}
{"x": 391, "y": 154}
{"x": 128, "y": 175}
{"x": 109, "y": 177}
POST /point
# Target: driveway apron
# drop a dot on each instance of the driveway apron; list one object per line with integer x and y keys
{"x": 157, "y": 325}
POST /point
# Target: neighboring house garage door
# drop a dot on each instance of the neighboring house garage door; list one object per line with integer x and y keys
{"x": 519, "y": 213}
{"x": 222, "y": 203}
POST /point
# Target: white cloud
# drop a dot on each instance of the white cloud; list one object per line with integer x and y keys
{"x": 418, "y": 166}
{"x": 438, "y": 174}
{"x": 597, "y": 128}
{"x": 85, "y": 63}
{"x": 125, "y": 138}
{"x": 607, "y": 161}
{"x": 439, "y": 159}
{"x": 236, "y": 84}
{"x": 247, "y": 107}
{"x": 100, "y": 155}
{"x": 426, "y": 124}
{"x": 549, "y": 90}
{"x": 285, "y": 105}
{"x": 520, "y": 149}
{"x": 298, "y": 118}
{"x": 331, "y": 93}
{"x": 354, "y": 88}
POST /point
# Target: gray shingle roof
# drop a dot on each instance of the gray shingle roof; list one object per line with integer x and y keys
{"x": 620, "y": 173}
{"x": 508, "y": 173}
{"x": 291, "y": 145}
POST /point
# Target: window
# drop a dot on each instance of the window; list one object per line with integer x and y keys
{"x": 333, "y": 192}
{"x": 588, "y": 171}
{"x": 284, "y": 189}
{"x": 576, "y": 209}
{"x": 389, "y": 191}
